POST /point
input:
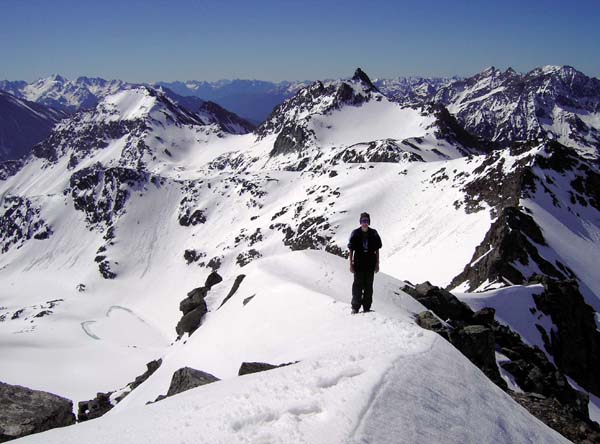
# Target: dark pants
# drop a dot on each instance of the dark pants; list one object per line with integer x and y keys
{"x": 362, "y": 290}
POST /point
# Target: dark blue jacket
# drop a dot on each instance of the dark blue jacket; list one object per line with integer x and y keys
{"x": 365, "y": 248}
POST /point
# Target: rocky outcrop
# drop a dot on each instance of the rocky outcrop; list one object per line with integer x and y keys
{"x": 440, "y": 301}
{"x": 512, "y": 248}
{"x": 512, "y": 239}
{"x": 20, "y": 221}
{"x": 94, "y": 408}
{"x": 188, "y": 378}
{"x": 234, "y": 288}
{"x": 103, "y": 402}
{"x": 552, "y": 413}
{"x": 575, "y": 341}
{"x": 255, "y": 367}
{"x": 25, "y": 411}
{"x": 477, "y": 342}
{"x": 479, "y": 336}
{"x": 194, "y": 306}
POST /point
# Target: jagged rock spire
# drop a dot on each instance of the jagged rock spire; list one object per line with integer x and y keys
{"x": 360, "y": 76}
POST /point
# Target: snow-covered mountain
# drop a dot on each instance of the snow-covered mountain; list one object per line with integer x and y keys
{"x": 63, "y": 94}
{"x": 23, "y": 124}
{"x": 555, "y": 102}
{"x": 412, "y": 90}
{"x": 126, "y": 209}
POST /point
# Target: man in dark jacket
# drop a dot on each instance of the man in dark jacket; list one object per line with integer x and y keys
{"x": 363, "y": 249}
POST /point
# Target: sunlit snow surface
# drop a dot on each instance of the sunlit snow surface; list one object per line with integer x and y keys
{"x": 367, "y": 378}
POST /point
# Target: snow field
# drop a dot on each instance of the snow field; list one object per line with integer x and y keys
{"x": 375, "y": 377}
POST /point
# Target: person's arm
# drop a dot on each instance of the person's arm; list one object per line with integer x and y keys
{"x": 377, "y": 261}
{"x": 351, "y": 256}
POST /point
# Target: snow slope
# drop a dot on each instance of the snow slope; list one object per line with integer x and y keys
{"x": 357, "y": 378}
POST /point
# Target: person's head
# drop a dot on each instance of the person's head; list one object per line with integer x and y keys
{"x": 365, "y": 220}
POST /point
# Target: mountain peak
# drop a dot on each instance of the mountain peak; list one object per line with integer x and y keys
{"x": 490, "y": 71}
{"x": 361, "y": 76}
{"x": 57, "y": 78}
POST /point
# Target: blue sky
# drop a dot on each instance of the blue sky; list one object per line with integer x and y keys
{"x": 144, "y": 41}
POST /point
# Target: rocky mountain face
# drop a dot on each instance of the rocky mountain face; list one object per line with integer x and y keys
{"x": 22, "y": 125}
{"x": 556, "y": 102}
{"x": 142, "y": 185}
{"x": 412, "y": 91}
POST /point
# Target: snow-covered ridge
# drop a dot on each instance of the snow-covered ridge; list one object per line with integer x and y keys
{"x": 68, "y": 95}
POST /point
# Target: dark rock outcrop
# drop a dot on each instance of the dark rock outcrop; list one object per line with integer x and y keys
{"x": 101, "y": 404}
{"x": 94, "y": 408}
{"x": 511, "y": 239}
{"x": 255, "y": 367}
{"x": 234, "y": 288}
{"x": 478, "y": 336}
{"x": 25, "y": 411}
{"x": 575, "y": 342}
{"x": 440, "y": 301}
{"x": 429, "y": 321}
{"x": 194, "y": 306}
{"x": 190, "y": 321}
{"x": 188, "y": 378}
{"x": 213, "y": 279}
{"x": 477, "y": 342}
{"x": 20, "y": 221}
{"x": 553, "y": 414}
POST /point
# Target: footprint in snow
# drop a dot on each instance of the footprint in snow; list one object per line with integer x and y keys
{"x": 332, "y": 380}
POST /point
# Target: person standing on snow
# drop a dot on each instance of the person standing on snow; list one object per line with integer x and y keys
{"x": 363, "y": 246}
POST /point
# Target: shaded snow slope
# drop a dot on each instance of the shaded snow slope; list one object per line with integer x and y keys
{"x": 22, "y": 125}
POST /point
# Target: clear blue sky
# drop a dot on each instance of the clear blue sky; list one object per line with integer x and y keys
{"x": 144, "y": 41}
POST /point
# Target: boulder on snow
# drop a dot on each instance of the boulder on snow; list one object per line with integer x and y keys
{"x": 213, "y": 279}
{"x": 190, "y": 322}
{"x": 187, "y": 378}
{"x": 194, "y": 299}
{"x": 255, "y": 367}
{"x": 25, "y": 411}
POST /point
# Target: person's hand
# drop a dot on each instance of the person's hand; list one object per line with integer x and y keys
{"x": 351, "y": 268}
{"x": 377, "y": 268}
